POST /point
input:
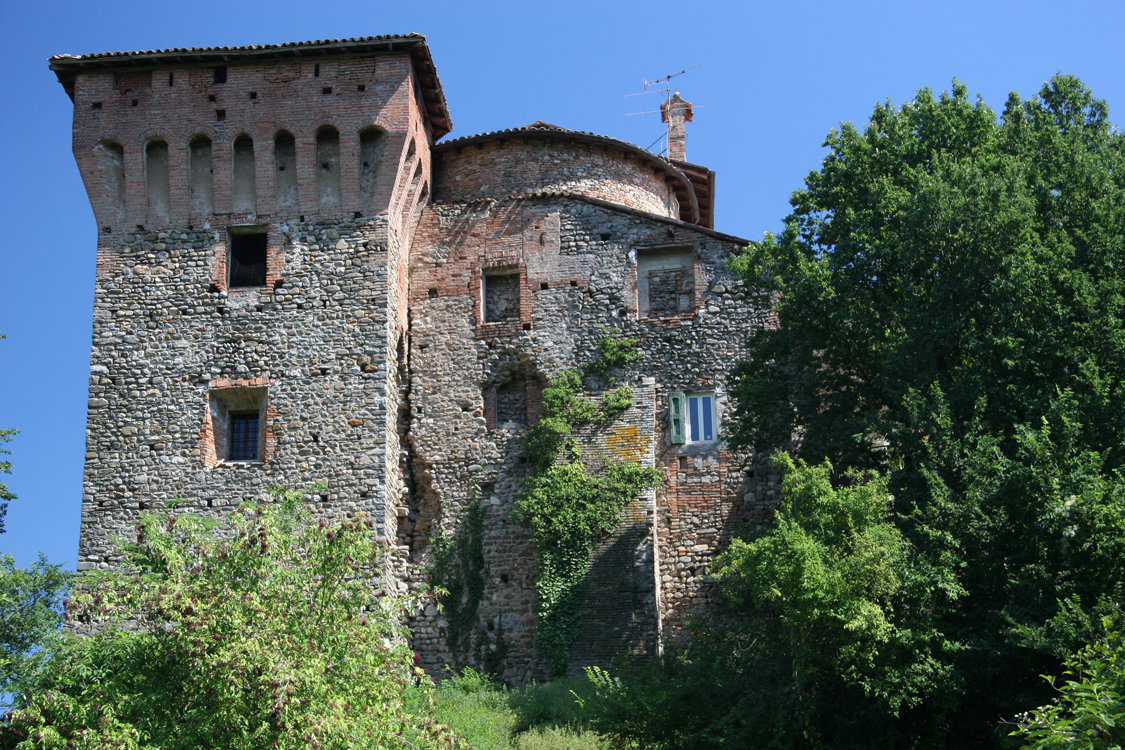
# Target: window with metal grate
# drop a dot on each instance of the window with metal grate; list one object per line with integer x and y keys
{"x": 247, "y": 259}
{"x": 244, "y": 437}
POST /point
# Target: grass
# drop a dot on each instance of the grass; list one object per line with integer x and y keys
{"x": 544, "y": 716}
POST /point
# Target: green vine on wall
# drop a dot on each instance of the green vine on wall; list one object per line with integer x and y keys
{"x": 567, "y": 508}
{"x": 460, "y": 568}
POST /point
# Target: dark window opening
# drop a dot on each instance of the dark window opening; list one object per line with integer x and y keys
{"x": 221, "y": 74}
{"x": 432, "y": 293}
{"x": 326, "y": 90}
{"x": 96, "y": 105}
{"x": 220, "y": 114}
{"x": 316, "y": 70}
{"x": 244, "y": 436}
{"x": 683, "y": 463}
{"x": 253, "y": 94}
{"x": 171, "y": 78}
{"x": 574, "y": 283}
{"x": 544, "y": 285}
{"x": 135, "y": 102}
{"x": 211, "y": 97}
{"x": 247, "y": 259}
{"x": 361, "y": 87}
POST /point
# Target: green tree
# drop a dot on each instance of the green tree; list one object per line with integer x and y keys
{"x": 6, "y": 436}
{"x": 266, "y": 630}
{"x": 1089, "y": 712}
{"x": 950, "y": 293}
{"x": 31, "y": 613}
{"x": 825, "y": 637}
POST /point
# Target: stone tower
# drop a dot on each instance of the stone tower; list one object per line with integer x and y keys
{"x": 254, "y": 210}
{"x": 297, "y": 284}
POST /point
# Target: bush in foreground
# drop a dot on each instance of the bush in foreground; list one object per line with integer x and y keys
{"x": 264, "y": 630}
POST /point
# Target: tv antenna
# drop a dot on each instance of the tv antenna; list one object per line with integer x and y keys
{"x": 665, "y": 87}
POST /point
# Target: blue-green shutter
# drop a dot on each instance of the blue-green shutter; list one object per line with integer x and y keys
{"x": 676, "y": 417}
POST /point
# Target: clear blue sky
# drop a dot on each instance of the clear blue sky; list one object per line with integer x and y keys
{"x": 775, "y": 78}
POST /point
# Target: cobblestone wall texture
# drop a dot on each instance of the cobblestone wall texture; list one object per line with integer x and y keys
{"x": 376, "y": 366}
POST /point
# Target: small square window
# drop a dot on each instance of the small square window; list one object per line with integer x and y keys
{"x": 500, "y": 294}
{"x": 237, "y": 419}
{"x": 220, "y": 74}
{"x": 665, "y": 283}
{"x": 246, "y": 265}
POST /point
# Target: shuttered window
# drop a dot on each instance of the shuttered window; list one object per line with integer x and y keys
{"x": 676, "y": 417}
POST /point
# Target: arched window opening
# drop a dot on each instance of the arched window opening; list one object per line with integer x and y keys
{"x": 157, "y": 190}
{"x": 371, "y": 142}
{"x": 111, "y": 166}
{"x": 328, "y": 166}
{"x": 245, "y": 198}
{"x": 285, "y": 169}
{"x": 201, "y": 176}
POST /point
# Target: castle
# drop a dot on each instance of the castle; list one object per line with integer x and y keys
{"x": 298, "y": 282}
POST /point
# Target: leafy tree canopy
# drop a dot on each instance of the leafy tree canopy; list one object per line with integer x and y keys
{"x": 1089, "y": 711}
{"x": 264, "y": 631}
{"x": 950, "y": 292}
{"x": 31, "y": 613}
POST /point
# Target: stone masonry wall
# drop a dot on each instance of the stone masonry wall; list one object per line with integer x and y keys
{"x": 164, "y": 338}
{"x": 373, "y": 355}
{"x": 576, "y": 260}
{"x": 320, "y": 346}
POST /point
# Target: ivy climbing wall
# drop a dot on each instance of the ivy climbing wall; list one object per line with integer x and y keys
{"x": 618, "y": 611}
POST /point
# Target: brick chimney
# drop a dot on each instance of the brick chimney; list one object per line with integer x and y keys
{"x": 676, "y": 112}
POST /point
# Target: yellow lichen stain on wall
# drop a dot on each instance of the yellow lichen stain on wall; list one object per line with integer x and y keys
{"x": 626, "y": 443}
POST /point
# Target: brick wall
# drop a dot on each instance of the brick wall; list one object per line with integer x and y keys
{"x": 524, "y": 164}
{"x": 259, "y": 100}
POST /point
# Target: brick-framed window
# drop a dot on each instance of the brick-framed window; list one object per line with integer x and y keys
{"x": 500, "y": 295}
{"x": 250, "y": 258}
{"x": 236, "y": 429}
{"x": 246, "y": 258}
{"x": 666, "y": 283}
{"x": 516, "y": 403}
{"x": 503, "y": 302}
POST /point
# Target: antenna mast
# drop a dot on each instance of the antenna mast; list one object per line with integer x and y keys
{"x": 675, "y": 123}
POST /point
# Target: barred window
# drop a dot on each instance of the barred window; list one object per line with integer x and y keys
{"x": 244, "y": 436}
